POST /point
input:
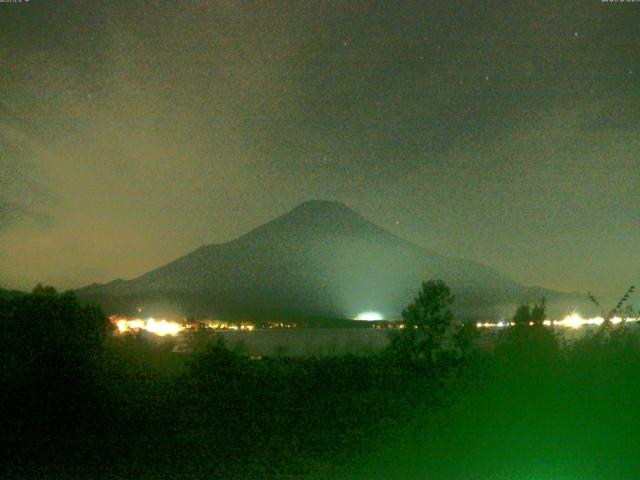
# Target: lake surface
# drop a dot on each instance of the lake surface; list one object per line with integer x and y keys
{"x": 296, "y": 342}
{"x": 331, "y": 341}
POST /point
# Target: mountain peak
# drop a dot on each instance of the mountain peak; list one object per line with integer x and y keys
{"x": 310, "y": 219}
{"x": 314, "y": 209}
{"x": 316, "y": 217}
{"x": 322, "y": 205}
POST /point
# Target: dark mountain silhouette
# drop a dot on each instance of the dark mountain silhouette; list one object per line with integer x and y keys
{"x": 321, "y": 259}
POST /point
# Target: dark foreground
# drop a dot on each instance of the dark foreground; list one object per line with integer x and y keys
{"x": 78, "y": 403}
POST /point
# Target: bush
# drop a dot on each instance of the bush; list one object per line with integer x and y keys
{"x": 50, "y": 346}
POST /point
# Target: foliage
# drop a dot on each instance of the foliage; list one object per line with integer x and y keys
{"x": 539, "y": 312}
{"x": 528, "y": 341}
{"x": 622, "y": 307}
{"x": 526, "y": 314}
{"x": 522, "y": 315}
{"x": 608, "y": 332}
{"x": 430, "y": 332}
{"x": 50, "y": 346}
{"x": 220, "y": 414}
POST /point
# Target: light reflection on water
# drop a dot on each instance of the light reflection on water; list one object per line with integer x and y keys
{"x": 330, "y": 341}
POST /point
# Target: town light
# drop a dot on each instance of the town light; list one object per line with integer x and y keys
{"x": 370, "y": 316}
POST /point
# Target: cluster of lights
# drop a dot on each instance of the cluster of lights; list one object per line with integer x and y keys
{"x": 370, "y": 316}
{"x": 162, "y": 327}
{"x": 157, "y": 327}
{"x": 282, "y": 325}
{"x": 573, "y": 320}
{"x": 229, "y": 326}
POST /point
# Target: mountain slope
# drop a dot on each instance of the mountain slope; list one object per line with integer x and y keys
{"x": 321, "y": 259}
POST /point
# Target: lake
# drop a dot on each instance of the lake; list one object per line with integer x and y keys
{"x": 295, "y": 342}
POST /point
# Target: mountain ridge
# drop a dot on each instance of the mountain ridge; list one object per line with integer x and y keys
{"x": 319, "y": 259}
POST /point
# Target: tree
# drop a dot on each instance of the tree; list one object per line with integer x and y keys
{"x": 539, "y": 312}
{"x": 50, "y": 346}
{"x": 528, "y": 342}
{"x": 429, "y": 323}
{"x": 526, "y": 314}
{"x": 522, "y": 316}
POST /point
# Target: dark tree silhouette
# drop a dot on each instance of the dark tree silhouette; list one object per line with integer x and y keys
{"x": 49, "y": 349}
{"x": 523, "y": 315}
{"x": 526, "y": 314}
{"x": 539, "y": 312}
{"x": 528, "y": 342}
{"x": 428, "y": 322}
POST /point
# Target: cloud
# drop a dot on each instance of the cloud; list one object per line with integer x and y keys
{"x": 23, "y": 198}
{"x": 548, "y": 201}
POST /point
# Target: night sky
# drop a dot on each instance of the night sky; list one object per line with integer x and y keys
{"x": 504, "y": 132}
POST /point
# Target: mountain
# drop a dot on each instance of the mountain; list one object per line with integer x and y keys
{"x": 321, "y": 259}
